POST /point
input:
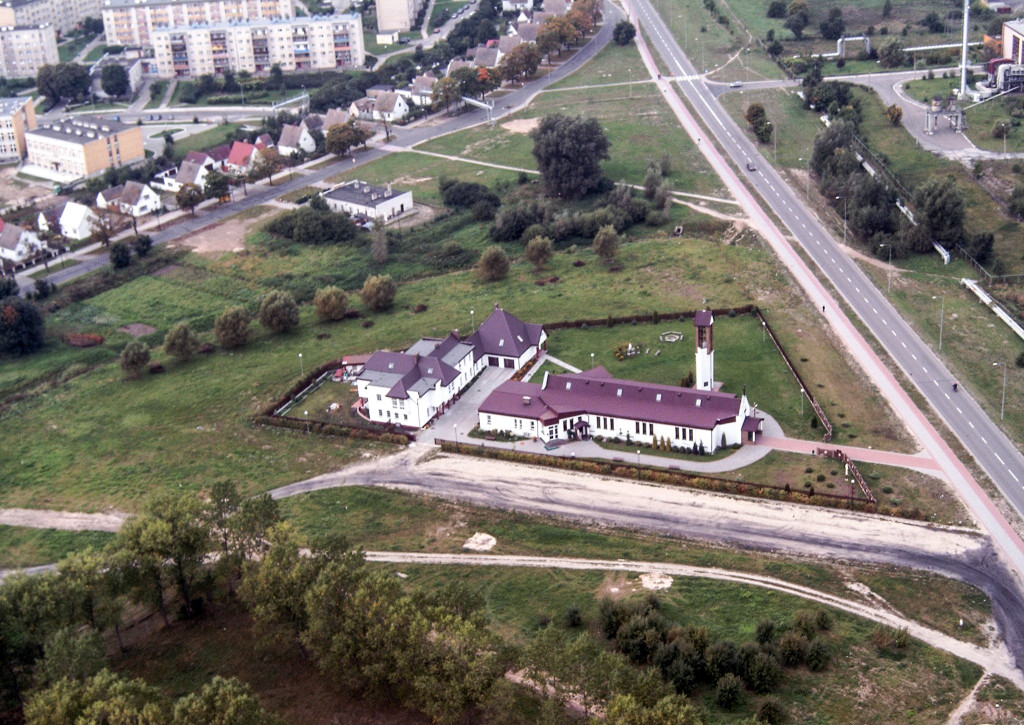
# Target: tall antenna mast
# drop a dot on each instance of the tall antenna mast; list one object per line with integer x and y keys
{"x": 963, "y": 52}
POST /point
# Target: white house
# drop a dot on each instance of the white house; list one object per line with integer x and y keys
{"x": 357, "y": 198}
{"x": 17, "y": 244}
{"x": 411, "y": 388}
{"x": 132, "y": 198}
{"x": 190, "y": 172}
{"x": 294, "y": 139}
{"x": 512, "y": 6}
{"x": 77, "y": 221}
{"x": 386, "y": 106}
{"x": 421, "y": 90}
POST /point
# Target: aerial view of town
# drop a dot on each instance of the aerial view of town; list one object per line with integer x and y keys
{"x": 639, "y": 362}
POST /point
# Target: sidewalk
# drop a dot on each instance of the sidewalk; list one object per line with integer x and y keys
{"x": 917, "y": 462}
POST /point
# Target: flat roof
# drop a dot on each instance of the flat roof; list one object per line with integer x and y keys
{"x": 362, "y": 193}
{"x": 80, "y": 130}
{"x": 262, "y": 22}
{"x": 10, "y": 105}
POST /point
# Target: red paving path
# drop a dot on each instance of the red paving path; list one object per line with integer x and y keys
{"x": 867, "y": 455}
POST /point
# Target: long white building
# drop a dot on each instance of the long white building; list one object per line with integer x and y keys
{"x": 134, "y": 22}
{"x": 316, "y": 43}
{"x": 63, "y": 15}
{"x": 24, "y": 49}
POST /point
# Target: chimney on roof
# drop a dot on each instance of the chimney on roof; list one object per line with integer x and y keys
{"x": 388, "y": 190}
{"x": 544, "y": 382}
{"x": 526, "y": 400}
{"x": 456, "y": 333}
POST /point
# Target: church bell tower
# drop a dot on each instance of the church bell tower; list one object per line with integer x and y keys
{"x": 703, "y": 323}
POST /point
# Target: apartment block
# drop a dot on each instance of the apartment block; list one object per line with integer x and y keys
{"x": 64, "y": 15}
{"x": 84, "y": 145}
{"x": 26, "y": 49}
{"x": 17, "y": 115}
{"x": 316, "y": 43}
{"x": 134, "y": 22}
{"x": 397, "y": 14}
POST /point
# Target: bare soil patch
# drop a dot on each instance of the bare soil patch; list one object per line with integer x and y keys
{"x": 15, "y": 191}
{"x": 521, "y": 125}
{"x": 228, "y": 236}
{"x": 420, "y": 214}
{"x": 137, "y": 329}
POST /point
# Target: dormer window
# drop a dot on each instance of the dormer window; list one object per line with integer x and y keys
{"x": 568, "y": 385}
{"x": 618, "y": 392}
{"x": 658, "y": 397}
{"x": 391, "y": 366}
{"x": 501, "y": 342}
{"x": 519, "y": 337}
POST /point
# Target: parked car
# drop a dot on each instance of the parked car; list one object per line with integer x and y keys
{"x": 750, "y": 166}
{"x": 736, "y": 84}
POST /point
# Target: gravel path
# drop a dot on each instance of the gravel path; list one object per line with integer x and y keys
{"x": 63, "y": 520}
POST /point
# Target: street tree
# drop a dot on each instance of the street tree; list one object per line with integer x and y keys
{"x": 181, "y": 342}
{"x": 624, "y": 32}
{"x": 520, "y": 63}
{"x": 134, "y": 358}
{"x": 569, "y": 151}
{"x": 278, "y": 311}
{"x": 582, "y": 20}
{"x": 64, "y": 80}
{"x": 378, "y": 292}
{"x": 102, "y": 228}
{"x": 606, "y": 243}
{"x": 120, "y": 255}
{"x": 446, "y": 92}
{"x": 493, "y": 264}
{"x": 265, "y": 165}
{"x": 189, "y": 196}
{"x": 538, "y": 252}
{"x": 330, "y": 303}
{"x": 142, "y": 244}
{"x": 231, "y": 329}
{"x": 114, "y": 80}
{"x": 216, "y": 185}
{"x": 21, "y": 327}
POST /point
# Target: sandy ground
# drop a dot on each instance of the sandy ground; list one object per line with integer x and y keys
{"x": 17, "y": 191}
{"x": 420, "y": 214}
{"x": 521, "y": 125}
{"x": 64, "y": 520}
{"x": 228, "y": 236}
{"x": 137, "y": 329}
{"x": 993, "y": 659}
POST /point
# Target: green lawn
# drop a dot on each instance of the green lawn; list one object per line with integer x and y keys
{"x": 156, "y": 94}
{"x": 95, "y": 54}
{"x": 67, "y": 51}
{"x": 613, "y": 64}
{"x": 204, "y": 139}
{"x": 20, "y": 547}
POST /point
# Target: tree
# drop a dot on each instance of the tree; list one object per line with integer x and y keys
{"x": 232, "y": 328}
{"x": 776, "y": 9}
{"x": 446, "y": 92}
{"x": 189, "y": 196}
{"x": 520, "y": 63}
{"x": 569, "y": 151}
{"x": 755, "y": 114}
{"x": 134, "y": 358}
{"x": 583, "y": 21}
{"x": 1016, "y": 203}
{"x": 556, "y": 32}
{"x": 222, "y": 702}
{"x": 8, "y": 287}
{"x": 379, "y": 244}
{"x": 120, "y": 255}
{"x": 606, "y": 243}
{"x": 71, "y": 655}
{"x": 764, "y": 132}
{"x": 894, "y": 114}
{"x": 142, "y": 244}
{"x": 114, "y": 80}
{"x": 64, "y": 80}
{"x": 275, "y": 80}
{"x": 797, "y": 18}
{"x": 340, "y": 139}
{"x": 21, "y": 327}
{"x": 103, "y": 698}
{"x": 102, "y": 228}
{"x": 728, "y": 691}
{"x": 940, "y": 204}
{"x": 378, "y": 292}
{"x": 538, "y": 252}
{"x": 181, "y": 342}
{"x": 330, "y": 303}
{"x": 887, "y": 9}
{"x": 892, "y": 55}
{"x": 265, "y": 165}
{"x": 833, "y": 26}
{"x": 763, "y": 673}
{"x": 216, "y": 185}
{"x": 624, "y": 32}
{"x": 493, "y": 264}
{"x": 672, "y": 710}
{"x": 278, "y": 311}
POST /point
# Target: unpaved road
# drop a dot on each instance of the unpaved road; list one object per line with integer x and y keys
{"x": 995, "y": 659}
{"x": 768, "y": 525}
{"x": 64, "y": 520}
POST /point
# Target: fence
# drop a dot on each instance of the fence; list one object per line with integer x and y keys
{"x": 839, "y": 455}
{"x": 804, "y": 389}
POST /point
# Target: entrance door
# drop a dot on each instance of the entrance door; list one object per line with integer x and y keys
{"x": 492, "y": 361}
{"x": 509, "y": 362}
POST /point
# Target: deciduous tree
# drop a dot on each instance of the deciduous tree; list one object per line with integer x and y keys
{"x": 134, "y": 358}
{"x": 114, "y": 80}
{"x": 120, "y": 255}
{"x": 378, "y": 292}
{"x": 624, "y": 32}
{"x": 606, "y": 243}
{"x": 222, "y": 702}
{"x": 569, "y": 151}
{"x": 181, "y": 342}
{"x": 330, "y": 303}
{"x": 538, "y": 252}
{"x": 189, "y": 197}
{"x": 278, "y": 311}
{"x": 216, "y": 185}
{"x": 21, "y": 327}
{"x": 232, "y": 327}
{"x": 493, "y": 264}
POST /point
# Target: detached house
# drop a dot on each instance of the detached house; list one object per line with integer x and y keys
{"x": 190, "y": 172}
{"x": 239, "y": 161}
{"x": 386, "y": 106}
{"x": 77, "y": 221}
{"x": 132, "y": 198}
{"x": 295, "y": 139}
{"x": 17, "y": 244}
{"x": 421, "y": 90}
{"x": 359, "y": 199}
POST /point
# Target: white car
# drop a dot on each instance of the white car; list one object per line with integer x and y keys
{"x": 736, "y": 84}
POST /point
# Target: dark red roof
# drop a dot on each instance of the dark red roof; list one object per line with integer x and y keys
{"x": 241, "y": 153}
{"x": 504, "y": 334}
{"x": 751, "y": 424}
{"x": 703, "y": 318}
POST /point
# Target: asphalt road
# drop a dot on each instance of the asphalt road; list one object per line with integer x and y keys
{"x": 402, "y": 138}
{"x": 979, "y": 434}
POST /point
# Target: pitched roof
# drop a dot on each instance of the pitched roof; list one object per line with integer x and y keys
{"x": 290, "y": 135}
{"x": 703, "y": 318}
{"x": 189, "y": 172}
{"x": 424, "y": 83}
{"x": 527, "y": 31}
{"x": 313, "y": 120}
{"x": 402, "y": 373}
{"x": 335, "y": 117}
{"x": 219, "y": 153}
{"x": 508, "y": 42}
{"x": 386, "y": 102}
{"x": 556, "y": 7}
{"x": 74, "y": 214}
{"x": 198, "y": 157}
{"x": 596, "y": 393}
{"x": 505, "y": 334}
{"x": 132, "y": 193}
{"x": 486, "y": 57}
{"x": 10, "y": 235}
{"x": 112, "y": 194}
{"x": 241, "y": 153}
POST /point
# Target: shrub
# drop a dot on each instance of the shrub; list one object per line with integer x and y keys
{"x": 823, "y": 619}
{"x": 793, "y": 649}
{"x": 539, "y": 251}
{"x": 572, "y": 618}
{"x": 232, "y": 328}
{"x": 728, "y": 691}
{"x": 771, "y": 712}
{"x": 493, "y": 264}
{"x": 120, "y": 255}
{"x": 763, "y": 673}
{"x": 143, "y": 243}
{"x": 640, "y": 636}
{"x": 330, "y": 303}
{"x": 465, "y": 194}
{"x": 721, "y": 659}
{"x": 181, "y": 342}
{"x": 278, "y": 311}
{"x": 818, "y": 655}
{"x": 483, "y": 211}
{"x": 134, "y": 358}
{"x": 21, "y": 327}
{"x": 765, "y": 631}
{"x": 606, "y": 243}
{"x": 378, "y": 292}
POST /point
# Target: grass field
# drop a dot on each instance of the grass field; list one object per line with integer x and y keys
{"x": 67, "y": 51}
{"x": 614, "y": 64}
{"x": 204, "y": 140}
{"x": 156, "y": 94}
{"x": 20, "y": 547}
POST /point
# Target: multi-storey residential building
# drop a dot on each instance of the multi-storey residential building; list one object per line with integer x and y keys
{"x": 334, "y": 41}
{"x": 84, "y": 145}
{"x": 24, "y": 49}
{"x": 133, "y": 22}
{"x": 397, "y": 15}
{"x": 64, "y": 15}
{"x": 17, "y": 115}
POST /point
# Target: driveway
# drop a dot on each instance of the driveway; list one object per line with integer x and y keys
{"x": 463, "y": 414}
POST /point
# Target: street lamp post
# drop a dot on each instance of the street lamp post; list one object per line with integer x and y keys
{"x": 302, "y": 368}
{"x": 942, "y": 317}
{"x": 764, "y": 331}
{"x": 591, "y": 359}
{"x": 844, "y": 210}
{"x": 888, "y": 285}
{"x": 455, "y": 427}
{"x": 306, "y": 413}
{"x": 802, "y": 402}
{"x": 472, "y": 321}
{"x": 1002, "y": 407}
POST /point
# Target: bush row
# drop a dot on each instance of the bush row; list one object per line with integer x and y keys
{"x": 333, "y": 429}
